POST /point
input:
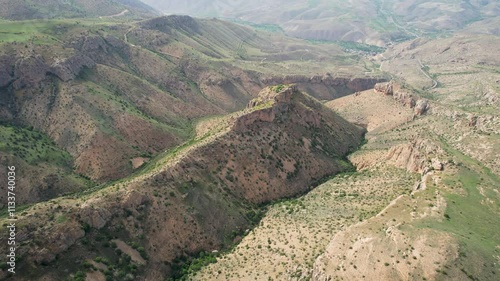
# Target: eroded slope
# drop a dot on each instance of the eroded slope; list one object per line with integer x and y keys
{"x": 114, "y": 94}
{"x": 198, "y": 197}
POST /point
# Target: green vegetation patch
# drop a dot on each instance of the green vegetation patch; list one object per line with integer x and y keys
{"x": 183, "y": 266}
{"x": 32, "y": 146}
{"x": 51, "y": 31}
{"x": 350, "y": 46}
{"x": 353, "y": 46}
{"x": 264, "y": 27}
{"x": 472, "y": 216}
{"x": 17, "y": 31}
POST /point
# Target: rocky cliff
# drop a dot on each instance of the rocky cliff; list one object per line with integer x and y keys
{"x": 418, "y": 156}
{"x": 405, "y": 97}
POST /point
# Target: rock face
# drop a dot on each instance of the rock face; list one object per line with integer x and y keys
{"x": 385, "y": 88}
{"x": 405, "y": 98}
{"x": 283, "y": 144}
{"x": 418, "y": 156}
{"x": 70, "y": 68}
{"x": 32, "y": 70}
{"x": 420, "y": 106}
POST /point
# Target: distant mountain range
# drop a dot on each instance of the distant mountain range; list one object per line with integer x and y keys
{"x": 23, "y": 9}
{"x": 377, "y": 22}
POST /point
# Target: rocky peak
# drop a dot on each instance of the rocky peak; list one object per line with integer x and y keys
{"x": 276, "y": 94}
{"x": 275, "y": 103}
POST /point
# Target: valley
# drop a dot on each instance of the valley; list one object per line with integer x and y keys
{"x": 108, "y": 103}
{"x": 380, "y": 22}
{"x": 313, "y": 140}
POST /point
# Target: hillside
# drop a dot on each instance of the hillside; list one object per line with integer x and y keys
{"x": 423, "y": 203}
{"x": 113, "y": 95}
{"x": 442, "y": 228}
{"x": 416, "y": 208}
{"x": 460, "y": 76}
{"x": 281, "y": 145}
{"x": 49, "y": 9}
{"x": 178, "y": 148}
{"x": 381, "y": 22}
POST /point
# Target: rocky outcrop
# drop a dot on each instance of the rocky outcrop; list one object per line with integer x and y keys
{"x": 70, "y": 68}
{"x": 385, "y": 88}
{"x": 280, "y": 100}
{"x": 486, "y": 123}
{"x": 95, "y": 217}
{"x": 134, "y": 199}
{"x": 405, "y": 98}
{"x": 420, "y": 106}
{"x": 418, "y": 156}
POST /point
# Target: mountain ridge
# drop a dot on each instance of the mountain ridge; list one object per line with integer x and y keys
{"x": 198, "y": 180}
{"x": 381, "y": 22}
{"x": 23, "y": 10}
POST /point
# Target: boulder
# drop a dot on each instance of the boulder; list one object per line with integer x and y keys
{"x": 405, "y": 98}
{"x": 95, "y": 217}
{"x": 385, "y": 88}
{"x": 421, "y": 107}
{"x": 436, "y": 164}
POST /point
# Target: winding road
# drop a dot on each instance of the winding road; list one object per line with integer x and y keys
{"x": 422, "y": 69}
{"x": 117, "y": 15}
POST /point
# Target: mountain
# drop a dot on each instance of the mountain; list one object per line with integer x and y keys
{"x": 177, "y": 148}
{"x": 199, "y": 197}
{"x": 109, "y": 96}
{"x": 91, "y": 105}
{"x": 379, "y": 22}
{"x": 24, "y": 9}
{"x": 423, "y": 201}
